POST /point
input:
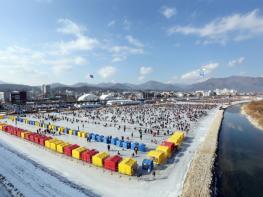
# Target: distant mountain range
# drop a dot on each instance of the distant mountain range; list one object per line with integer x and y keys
{"x": 240, "y": 83}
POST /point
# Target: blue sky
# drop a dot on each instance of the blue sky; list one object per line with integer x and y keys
{"x": 46, "y": 41}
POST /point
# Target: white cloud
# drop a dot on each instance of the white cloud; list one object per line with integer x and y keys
{"x": 126, "y": 24}
{"x": 236, "y": 62}
{"x": 69, "y": 27}
{"x": 118, "y": 58}
{"x": 121, "y": 52}
{"x": 85, "y": 43}
{"x": 48, "y": 61}
{"x": 134, "y": 41}
{"x": 144, "y": 71}
{"x": 235, "y": 27}
{"x": 20, "y": 62}
{"x": 141, "y": 77}
{"x": 168, "y": 12}
{"x": 81, "y": 41}
{"x": 173, "y": 80}
{"x": 194, "y": 76}
{"x": 107, "y": 71}
{"x": 66, "y": 64}
{"x": 111, "y": 23}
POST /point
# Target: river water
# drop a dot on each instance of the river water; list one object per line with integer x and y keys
{"x": 239, "y": 164}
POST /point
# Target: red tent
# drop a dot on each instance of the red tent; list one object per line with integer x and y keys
{"x": 68, "y": 149}
{"x": 169, "y": 144}
{"x": 87, "y": 155}
{"x": 37, "y": 138}
{"x": 111, "y": 163}
{"x": 18, "y": 133}
{"x": 43, "y": 139}
{"x": 32, "y": 137}
{"x": 27, "y": 135}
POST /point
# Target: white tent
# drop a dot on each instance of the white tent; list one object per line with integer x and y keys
{"x": 88, "y": 97}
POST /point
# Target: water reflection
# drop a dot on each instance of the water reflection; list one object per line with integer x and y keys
{"x": 240, "y": 157}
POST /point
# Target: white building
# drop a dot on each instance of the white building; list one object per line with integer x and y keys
{"x": 122, "y": 102}
{"x": 225, "y": 91}
{"x": 106, "y": 97}
{"x": 4, "y": 97}
{"x": 88, "y": 97}
{"x": 46, "y": 90}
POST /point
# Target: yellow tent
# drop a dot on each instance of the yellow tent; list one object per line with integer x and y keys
{"x": 84, "y": 134}
{"x": 165, "y": 149}
{"x": 37, "y": 124}
{"x": 12, "y": 118}
{"x": 79, "y": 133}
{"x": 179, "y": 135}
{"x": 127, "y": 166}
{"x": 23, "y": 134}
{"x": 60, "y": 147}
{"x": 70, "y": 132}
{"x": 99, "y": 158}
{"x": 2, "y": 125}
{"x": 53, "y": 145}
{"x": 61, "y": 129}
{"x": 174, "y": 140}
{"x": 48, "y": 142}
{"x": 158, "y": 156}
{"x": 76, "y": 153}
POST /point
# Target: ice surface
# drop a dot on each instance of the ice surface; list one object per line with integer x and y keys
{"x": 168, "y": 181}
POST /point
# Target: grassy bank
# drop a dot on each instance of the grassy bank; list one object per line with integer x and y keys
{"x": 254, "y": 112}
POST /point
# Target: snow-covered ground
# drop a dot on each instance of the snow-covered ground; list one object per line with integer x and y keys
{"x": 168, "y": 181}
{"x": 4, "y": 192}
{"x": 28, "y": 178}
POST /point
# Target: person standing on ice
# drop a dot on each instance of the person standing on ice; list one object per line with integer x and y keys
{"x": 154, "y": 174}
{"x": 108, "y": 146}
{"x": 136, "y": 150}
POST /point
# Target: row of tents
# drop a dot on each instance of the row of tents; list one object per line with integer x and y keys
{"x": 127, "y": 166}
{"x": 167, "y": 148}
{"x": 83, "y": 134}
{"x": 158, "y": 156}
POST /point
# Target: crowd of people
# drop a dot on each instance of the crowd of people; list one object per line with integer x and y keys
{"x": 139, "y": 120}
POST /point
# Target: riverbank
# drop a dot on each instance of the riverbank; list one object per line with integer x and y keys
{"x": 199, "y": 176}
{"x": 253, "y": 112}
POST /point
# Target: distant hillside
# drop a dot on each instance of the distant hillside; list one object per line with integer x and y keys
{"x": 13, "y": 87}
{"x": 57, "y": 85}
{"x": 240, "y": 83}
{"x": 155, "y": 85}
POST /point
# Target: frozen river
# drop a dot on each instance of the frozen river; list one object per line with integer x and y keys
{"x": 41, "y": 170}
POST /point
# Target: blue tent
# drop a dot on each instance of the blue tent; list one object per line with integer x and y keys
{"x": 147, "y": 164}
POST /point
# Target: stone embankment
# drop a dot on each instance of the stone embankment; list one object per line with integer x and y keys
{"x": 200, "y": 174}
